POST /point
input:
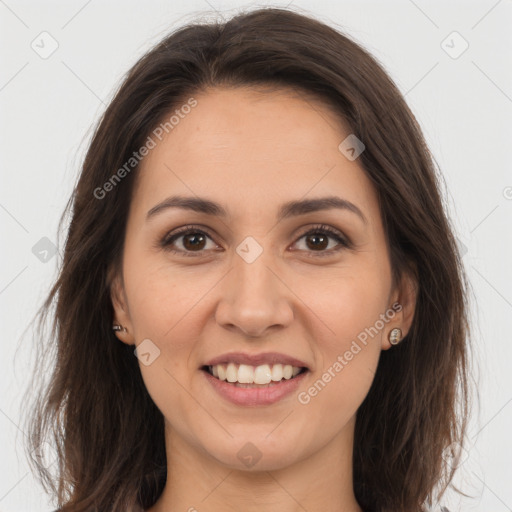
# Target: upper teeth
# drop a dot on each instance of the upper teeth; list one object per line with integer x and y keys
{"x": 246, "y": 374}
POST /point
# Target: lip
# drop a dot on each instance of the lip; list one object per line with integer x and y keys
{"x": 255, "y": 396}
{"x": 256, "y": 359}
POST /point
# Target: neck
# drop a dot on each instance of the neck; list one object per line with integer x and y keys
{"x": 321, "y": 481}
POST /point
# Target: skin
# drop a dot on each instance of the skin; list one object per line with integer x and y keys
{"x": 251, "y": 151}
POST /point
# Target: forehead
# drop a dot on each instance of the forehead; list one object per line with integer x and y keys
{"x": 254, "y": 121}
{"x": 245, "y": 146}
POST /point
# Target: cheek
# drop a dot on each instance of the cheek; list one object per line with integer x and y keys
{"x": 335, "y": 394}
{"x": 162, "y": 296}
{"x": 350, "y": 306}
{"x": 164, "y": 309}
{"x": 348, "y": 350}
{"x": 348, "y": 302}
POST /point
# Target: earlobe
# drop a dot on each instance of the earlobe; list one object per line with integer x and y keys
{"x": 404, "y": 297}
{"x": 121, "y": 326}
{"x": 395, "y": 336}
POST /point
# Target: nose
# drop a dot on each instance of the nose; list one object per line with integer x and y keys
{"x": 254, "y": 298}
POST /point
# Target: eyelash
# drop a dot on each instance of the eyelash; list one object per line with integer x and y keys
{"x": 167, "y": 240}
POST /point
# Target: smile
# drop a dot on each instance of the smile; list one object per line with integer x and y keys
{"x": 246, "y": 374}
{"x": 252, "y": 386}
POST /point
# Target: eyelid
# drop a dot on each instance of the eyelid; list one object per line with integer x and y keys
{"x": 165, "y": 242}
{"x": 184, "y": 230}
{"x": 344, "y": 241}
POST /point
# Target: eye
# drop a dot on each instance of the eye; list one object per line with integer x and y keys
{"x": 194, "y": 240}
{"x": 319, "y": 239}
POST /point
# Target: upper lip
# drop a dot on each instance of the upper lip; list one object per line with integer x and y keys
{"x": 256, "y": 359}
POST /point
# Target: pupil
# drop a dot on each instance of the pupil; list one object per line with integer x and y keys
{"x": 194, "y": 236}
{"x": 324, "y": 238}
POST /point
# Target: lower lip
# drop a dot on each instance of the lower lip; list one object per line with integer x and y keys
{"x": 256, "y": 395}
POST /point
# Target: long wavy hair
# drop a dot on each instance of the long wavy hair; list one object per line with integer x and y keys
{"x": 88, "y": 400}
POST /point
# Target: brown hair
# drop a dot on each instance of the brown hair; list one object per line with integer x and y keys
{"x": 106, "y": 430}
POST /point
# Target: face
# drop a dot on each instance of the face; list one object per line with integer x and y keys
{"x": 253, "y": 281}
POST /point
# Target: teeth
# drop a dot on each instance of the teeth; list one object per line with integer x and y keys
{"x": 277, "y": 372}
{"x": 231, "y": 373}
{"x": 262, "y": 374}
{"x": 287, "y": 371}
{"x": 246, "y": 374}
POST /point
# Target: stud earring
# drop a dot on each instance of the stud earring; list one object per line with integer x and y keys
{"x": 117, "y": 327}
{"x": 395, "y": 336}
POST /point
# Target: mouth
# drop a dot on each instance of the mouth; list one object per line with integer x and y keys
{"x": 254, "y": 386}
{"x": 248, "y": 376}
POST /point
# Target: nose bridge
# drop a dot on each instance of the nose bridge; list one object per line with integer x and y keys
{"x": 251, "y": 270}
{"x": 253, "y": 297}
{"x": 253, "y": 281}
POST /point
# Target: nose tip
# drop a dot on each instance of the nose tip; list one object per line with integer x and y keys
{"x": 255, "y": 332}
{"x": 251, "y": 320}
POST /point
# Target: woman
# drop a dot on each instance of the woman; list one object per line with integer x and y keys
{"x": 261, "y": 304}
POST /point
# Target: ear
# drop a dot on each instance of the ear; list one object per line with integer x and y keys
{"x": 403, "y": 302}
{"x": 120, "y": 306}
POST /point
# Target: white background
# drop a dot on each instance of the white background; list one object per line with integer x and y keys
{"x": 463, "y": 104}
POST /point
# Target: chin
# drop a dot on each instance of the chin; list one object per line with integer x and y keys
{"x": 255, "y": 452}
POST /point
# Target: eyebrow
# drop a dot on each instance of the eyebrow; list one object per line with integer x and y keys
{"x": 287, "y": 210}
